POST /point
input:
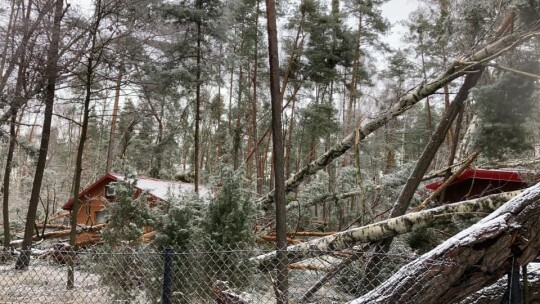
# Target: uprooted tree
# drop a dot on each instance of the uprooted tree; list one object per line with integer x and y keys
{"x": 474, "y": 258}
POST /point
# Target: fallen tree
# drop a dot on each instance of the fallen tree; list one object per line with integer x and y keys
{"x": 388, "y": 228}
{"x": 496, "y": 293}
{"x": 336, "y": 197}
{"x": 81, "y": 231}
{"x": 456, "y": 70}
{"x": 475, "y": 258}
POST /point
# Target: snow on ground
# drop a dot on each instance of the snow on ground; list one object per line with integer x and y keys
{"x": 45, "y": 283}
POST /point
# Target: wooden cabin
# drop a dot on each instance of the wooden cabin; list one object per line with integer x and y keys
{"x": 93, "y": 200}
{"x": 475, "y": 182}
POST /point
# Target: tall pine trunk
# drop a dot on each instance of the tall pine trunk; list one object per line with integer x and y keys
{"x": 279, "y": 174}
{"x": 90, "y": 67}
{"x": 7, "y": 176}
{"x": 198, "y": 102}
{"x": 254, "y": 101}
{"x": 110, "y": 148}
{"x": 51, "y": 75}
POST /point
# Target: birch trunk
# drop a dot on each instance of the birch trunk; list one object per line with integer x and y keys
{"x": 388, "y": 228}
{"x": 457, "y": 70}
{"x": 475, "y": 258}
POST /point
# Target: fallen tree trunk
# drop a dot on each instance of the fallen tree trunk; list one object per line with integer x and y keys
{"x": 388, "y": 228}
{"x": 60, "y": 234}
{"x": 55, "y": 217}
{"x": 272, "y": 238}
{"x": 496, "y": 292}
{"x": 457, "y": 69}
{"x": 52, "y": 226}
{"x": 475, "y": 258}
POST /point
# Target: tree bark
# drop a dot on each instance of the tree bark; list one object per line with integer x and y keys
{"x": 388, "y": 228}
{"x": 475, "y": 258}
{"x": 7, "y": 176}
{"x": 51, "y": 74}
{"x": 198, "y": 101}
{"x": 257, "y": 160}
{"x": 110, "y": 148}
{"x": 496, "y": 292}
{"x": 281, "y": 287}
{"x": 407, "y": 193}
{"x": 90, "y": 67}
{"x": 457, "y": 69}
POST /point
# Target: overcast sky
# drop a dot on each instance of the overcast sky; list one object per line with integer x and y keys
{"x": 396, "y": 11}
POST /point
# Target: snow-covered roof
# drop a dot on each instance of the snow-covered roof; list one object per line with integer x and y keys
{"x": 164, "y": 189}
{"x": 161, "y": 189}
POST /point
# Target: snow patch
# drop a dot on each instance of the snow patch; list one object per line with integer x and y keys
{"x": 163, "y": 189}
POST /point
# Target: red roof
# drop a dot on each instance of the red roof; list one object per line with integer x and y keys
{"x": 108, "y": 175}
{"x": 487, "y": 174}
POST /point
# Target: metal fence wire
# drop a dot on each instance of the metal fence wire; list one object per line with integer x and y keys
{"x": 203, "y": 274}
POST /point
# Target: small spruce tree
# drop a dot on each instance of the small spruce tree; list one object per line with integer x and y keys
{"x": 229, "y": 215}
{"x": 180, "y": 226}
{"x": 228, "y": 229}
{"x": 127, "y": 216}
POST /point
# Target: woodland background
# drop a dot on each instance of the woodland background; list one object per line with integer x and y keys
{"x": 179, "y": 90}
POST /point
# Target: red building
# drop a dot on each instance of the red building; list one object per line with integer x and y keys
{"x": 475, "y": 182}
{"x": 94, "y": 199}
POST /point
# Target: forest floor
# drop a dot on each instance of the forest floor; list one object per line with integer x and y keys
{"x": 46, "y": 283}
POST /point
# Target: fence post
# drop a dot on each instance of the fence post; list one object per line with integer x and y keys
{"x": 167, "y": 275}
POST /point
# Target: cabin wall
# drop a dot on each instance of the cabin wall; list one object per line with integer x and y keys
{"x": 93, "y": 202}
{"x": 91, "y": 210}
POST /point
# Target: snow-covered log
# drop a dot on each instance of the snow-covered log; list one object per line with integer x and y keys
{"x": 496, "y": 292}
{"x": 457, "y": 69}
{"x": 391, "y": 227}
{"x": 475, "y": 258}
{"x": 61, "y": 234}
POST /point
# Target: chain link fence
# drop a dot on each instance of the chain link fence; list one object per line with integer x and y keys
{"x": 204, "y": 274}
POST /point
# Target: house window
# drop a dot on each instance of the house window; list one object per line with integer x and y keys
{"x": 101, "y": 216}
{"x": 109, "y": 191}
